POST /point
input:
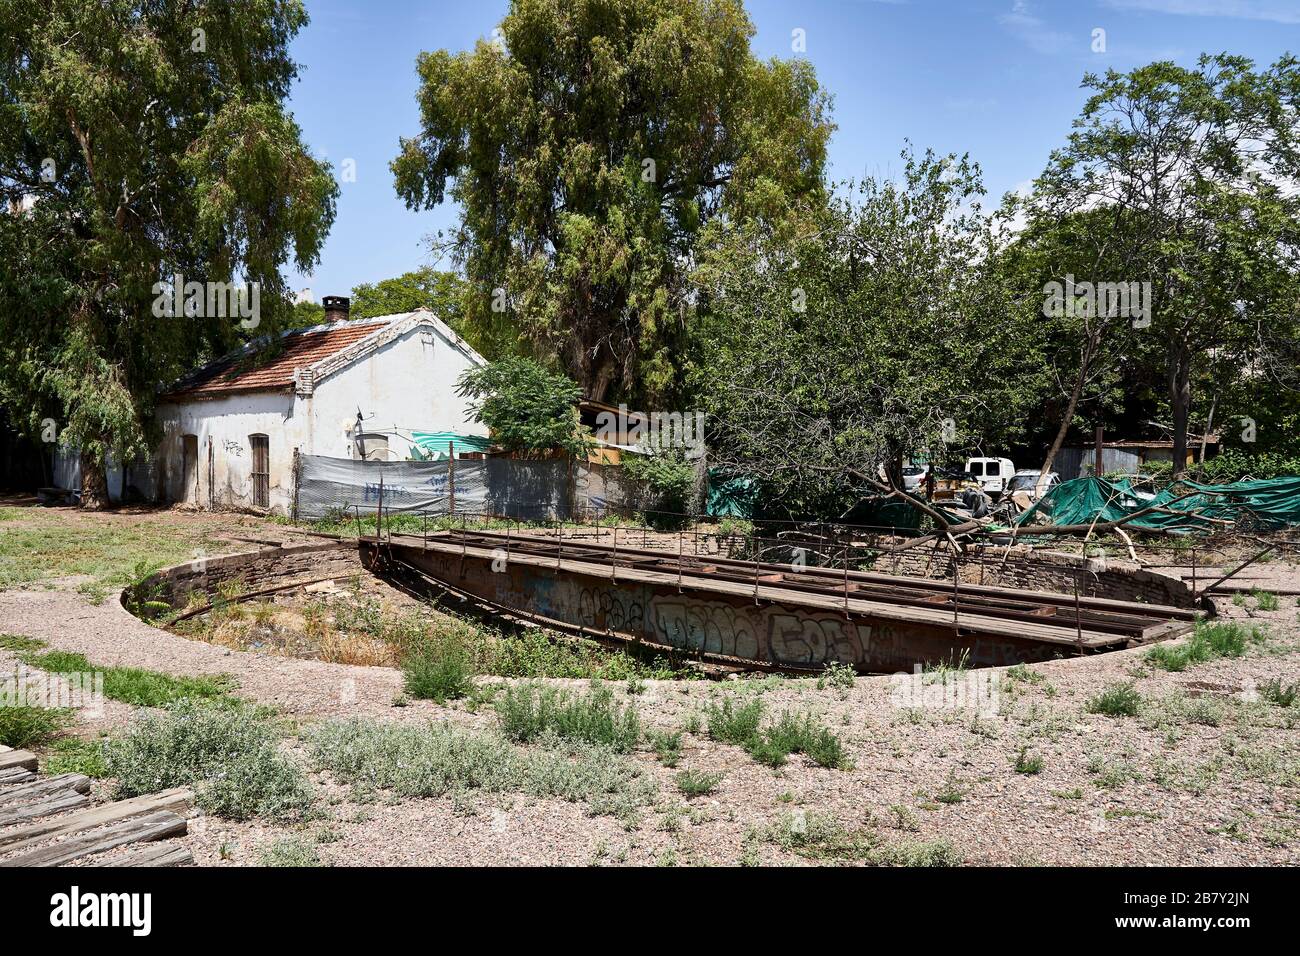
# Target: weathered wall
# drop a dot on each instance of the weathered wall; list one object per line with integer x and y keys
{"x": 258, "y": 569}
{"x": 406, "y": 384}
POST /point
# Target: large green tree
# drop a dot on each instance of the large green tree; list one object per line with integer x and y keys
{"x": 586, "y": 147}
{"x": 1202, "y": 162}
{"x": 140, "y": 141}
{"x": 848, "y": 337}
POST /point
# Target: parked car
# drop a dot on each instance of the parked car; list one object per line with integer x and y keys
{"x": 1026, "y": 480}
{"x": 914, "y": 476}
{"x": 992, "y": 474}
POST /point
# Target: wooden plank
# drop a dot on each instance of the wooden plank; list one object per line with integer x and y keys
{"x": 23, "y": 759}
{"x": 14, "y": 776}
{"x": 139, "y": 829}
{"x": 157, "y": 854}
{"x": 43, "y": 806}
{"x": 42, "y": 786}
{"x": 177, "y": 799}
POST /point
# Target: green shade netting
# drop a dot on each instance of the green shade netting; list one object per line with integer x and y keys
{"x": 1270, "y": 504}
{"x": 730, "y": 496}
{"x": 435, "y": 443}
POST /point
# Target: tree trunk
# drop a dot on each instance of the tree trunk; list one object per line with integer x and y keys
{"x": 1085, "y": 365}
{"x": 1180, "y": 403}
{"x": 602, "y": 376}
{"x": 94, "y": 482}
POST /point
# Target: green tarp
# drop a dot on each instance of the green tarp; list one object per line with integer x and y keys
{"x": 730, "y": 496}
{"x": 1268, "y": 504}
{"x": 435, "y": 444}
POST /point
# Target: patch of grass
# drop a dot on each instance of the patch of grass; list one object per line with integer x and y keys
{"x": 76, "y": 755}
{"x": 527, "y": 711}
{"x": 1022, "y": 673}
{"x": 290, "y": 851}
{"x": 26, "y": 726}
{"x": 1210, "y": 640}
{"x": 1264, "y": 600}
{"x": 952, "y": 791}
{"x": 1117, "y": 700}
{"x": 948, "y": 670}
{"x": 438, "y": 759}
{"x": 230, "y": 755}
{"x": 438, "y": 673}
{"x": 135, "y": 685}
{"x": 697, "y": 783}
{"x": 20, "y": 644}
{"x": 730, "y": 724}
{"x": 840, "y": 677}
{"x": 667, "y": 747}
{"x": 819, "y": 836}
{"x": 792, "y": 733}
{"x": 1278, "y": 693}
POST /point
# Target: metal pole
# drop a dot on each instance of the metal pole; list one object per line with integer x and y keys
{"x": 613, "y": 561}
{"x": 846, "y": 579}
{"x": 1078, "y": 621}
{"x": 753, "y": 543}
{"x": 680, "y": 543}
{"x": 956, "y": 586}
{"x": 559, "y": 547}
{"x": 1193, "y": 570}
{"x": 451, "y": 477}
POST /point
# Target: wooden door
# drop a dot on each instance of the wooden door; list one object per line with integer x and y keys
{"x": 261, "y": 470}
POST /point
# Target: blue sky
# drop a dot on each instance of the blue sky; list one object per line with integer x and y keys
{"x": 996, "y": 78}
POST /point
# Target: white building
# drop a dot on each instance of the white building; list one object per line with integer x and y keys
{"x": 345, "y": 389}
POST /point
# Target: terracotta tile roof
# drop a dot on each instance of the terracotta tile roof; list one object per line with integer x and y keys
{"x": 237, "y": 373}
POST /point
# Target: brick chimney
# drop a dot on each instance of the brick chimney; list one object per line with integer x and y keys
{"x": 336, "y": 307}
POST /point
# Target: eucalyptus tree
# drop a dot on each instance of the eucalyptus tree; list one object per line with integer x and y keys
{"x": 141, "y": 142}
{"x": 1203, "y": 164}
{"x": 586, "y": 146}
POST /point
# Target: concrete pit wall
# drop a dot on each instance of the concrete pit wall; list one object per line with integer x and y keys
{"x": 256, "y": 570}
{"x": 1023, "y": 566}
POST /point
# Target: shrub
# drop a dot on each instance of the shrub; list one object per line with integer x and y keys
{"x": 1028, "y": 763}
{"x": 290, "y": 851}
{"x": 526, "y": 711}
{"x": 229, "y": 755}
{"x": 29, "y": 726}
{"x": 1282, "y": 695}
{"x": 435, "y": 759}
{"x": 697, "y": 783}
{"x": 1118, "y": 700}
{"x": 667, "y": 747}
{"x": 1264, "y": 600}
{"x": 1210, "y": 640}
{"x": 741, "y": 725}
{"x": 729, "y": 724}
{"x": 438, "y": 673}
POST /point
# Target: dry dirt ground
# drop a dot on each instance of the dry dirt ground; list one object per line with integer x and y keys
{"x": 1208, "y": 773}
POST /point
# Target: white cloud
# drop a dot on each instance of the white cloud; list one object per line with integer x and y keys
{"x": 1033, "y": 30}
{"x": 1275, "y": 11}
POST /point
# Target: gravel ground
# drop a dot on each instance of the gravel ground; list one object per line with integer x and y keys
{"x": 1161, "y": 788}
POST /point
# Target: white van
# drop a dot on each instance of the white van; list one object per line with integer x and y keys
{"x": 992, "y": 474}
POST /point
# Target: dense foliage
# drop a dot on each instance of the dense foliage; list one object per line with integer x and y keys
{"x": 141, "y": 141}
{"x": 526, "y": 407}
{"x": 587, "y": 149}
